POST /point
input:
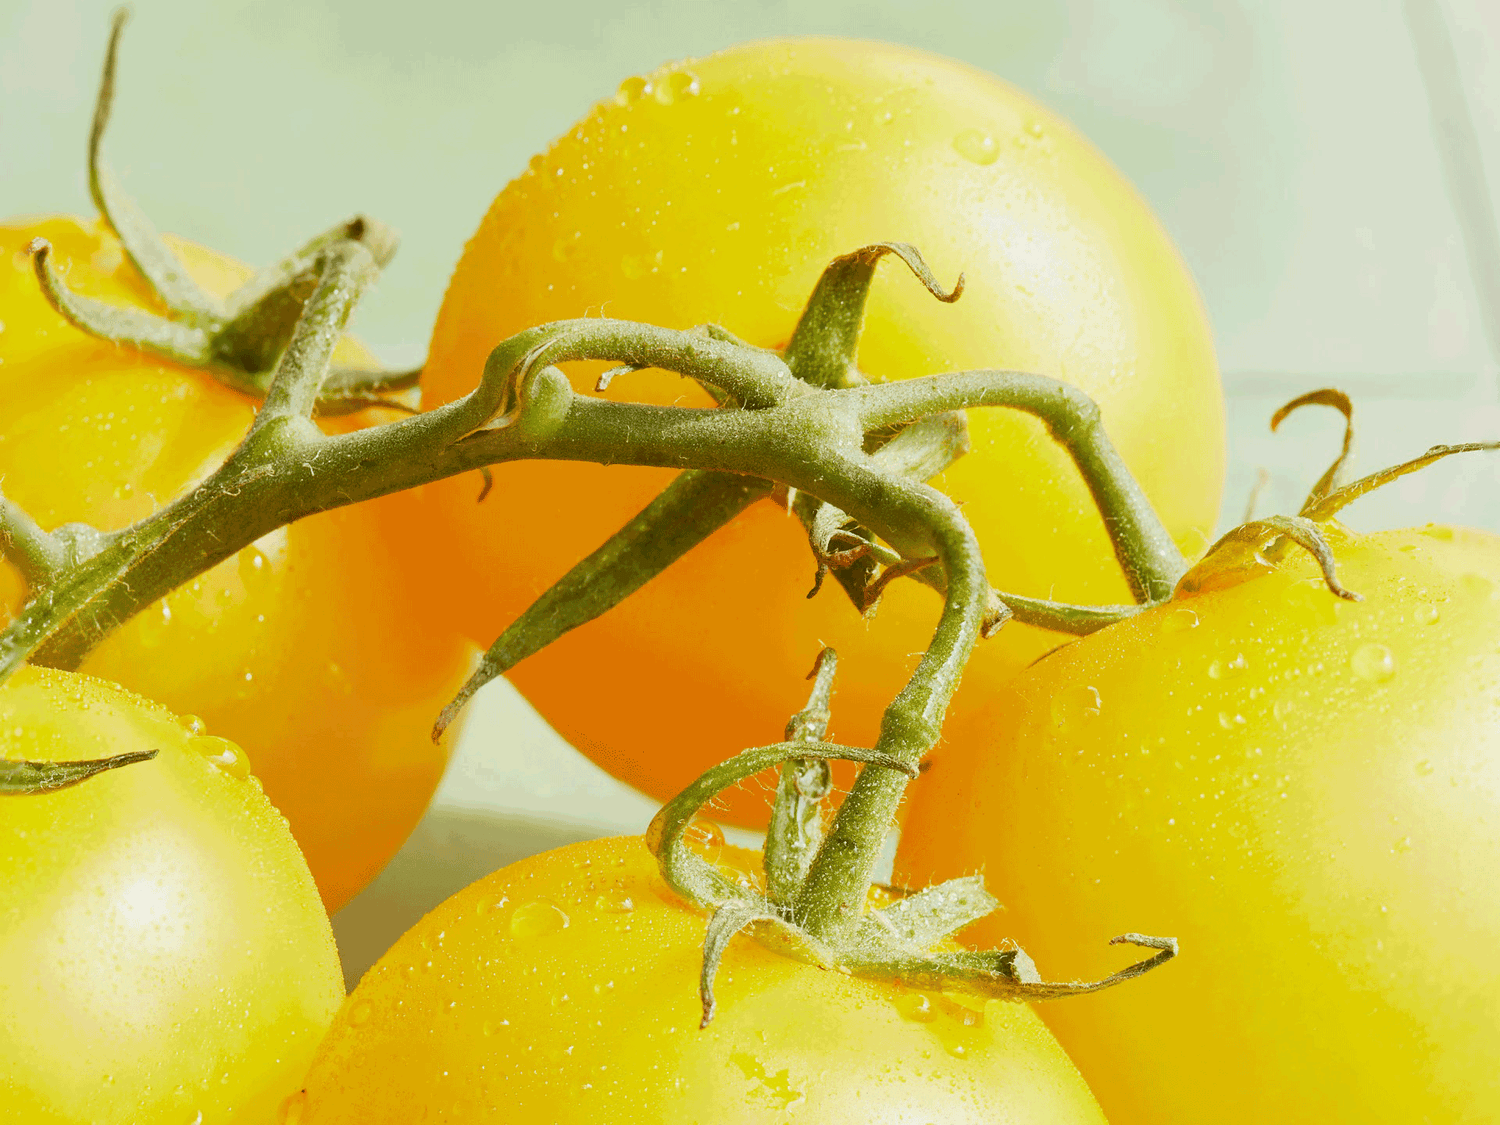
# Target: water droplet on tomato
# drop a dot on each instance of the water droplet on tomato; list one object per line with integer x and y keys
{"x": 566, "y": 247}
{"x": 1426, "y": 613}
{"x": 532, "y": 919}
{"x": 1477, "y": 586}
{"x": 360, "y": 1013}
{"x": 1224, "y": 668}
{"x": 916, "y": 1006}
{"x": 633, "y": 89}
{"x": 223, "y": 754}
{"x": 1229, "y": 720}
{"x": 976, "y": 146}
{"x": 1076, "y": 705}
{"x": 1034, "y": 129}
{"x": 293, "y": 1108}
{"x": 1373, "y": 663}
{"x": 486, "y": 904}
{"x": 676, "y": 86}
{"x": 1179, "y": 620}
{"x": 704, "y": 837}
{"x": 192, "y": 724}
{"x": 1424, "y": 768}
{"x": 614, "y": 902}
{"x": 254, "y": 567}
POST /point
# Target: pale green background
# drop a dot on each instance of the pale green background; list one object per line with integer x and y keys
{"x": 1288, "y": 146}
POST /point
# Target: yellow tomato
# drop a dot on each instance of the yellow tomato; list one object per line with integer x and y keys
{"x": 717, "y": 190}
{"x": 563, "y": 989}
{"x": 164, "y": 956}
{"x": 1306, "y": 792}
{"x": 304, "y": 648}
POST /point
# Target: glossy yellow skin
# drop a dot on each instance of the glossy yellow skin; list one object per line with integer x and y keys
{"x": 724, "y": 205}
{"x": 563, "y": 989}
{"x": 1307, "y": 793}
{"x": 307, "y": 648}
{"x": 163, "y": 950}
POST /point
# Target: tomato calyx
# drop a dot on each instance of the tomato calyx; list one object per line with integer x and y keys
{"x": 237, "y": 339}
{"x": 907, "y": 445}
{"x": 895, "y": 942}
{"x": 1257, "y": 545}
{"x": 19, "y": 776}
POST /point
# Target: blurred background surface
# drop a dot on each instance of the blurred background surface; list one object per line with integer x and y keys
{"x": 1324, "y": 165}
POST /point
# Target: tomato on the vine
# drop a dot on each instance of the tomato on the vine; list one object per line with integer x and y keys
{"x": 163, "y": 950}
{"x": 564, "y": 988}
{"x": 716, "y": 190}
{"x": 1305, "y": 791}
{"x": 303, "y": 648}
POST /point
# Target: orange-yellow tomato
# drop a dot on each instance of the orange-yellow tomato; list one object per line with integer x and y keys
{"x": 164, "y": 956}
{"x": 304, "y": 648}
{"x": 563, "y": 989}
{"x": 717, "y": 190}
{"x": 1306, "y": 792}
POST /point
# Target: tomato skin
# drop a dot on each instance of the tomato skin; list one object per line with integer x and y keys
{"x": 493, "y": 1009}
{"x": 1306, "y": 792}
{"x": 725, "y": 205}
{"x": 307, "y": 648}
{"x": 163, "y": 950}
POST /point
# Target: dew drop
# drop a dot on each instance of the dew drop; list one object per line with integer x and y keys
{"x": 1477, "y": 586}
{"x": 1034, "y": 129}
{"x": 916, "y": 1006}
{"x": 976, "y": 146}
{"x": 1231, "y": 720}
{"x": 1424, "y": 768}
{"x": 254, "y": 567}
{"x": 676, "y": 86}
{"x": 222, "y": 753}
{"x": 485, "y": 904}
{"x": 1312, "y": 598}
{"x": 1224, "y": 668}
{"x": 360, "y": 1013}
{"x": 566, "y": 247}
{"x": 616, "y": 902}
{"x": 1426, "y": 613}
{"x": 1373, "y": 663}
{"x": 1076, "y": 705}
{"x": 704, "y": 837}
{"x": 532, "y": 919}
{"x": 192, "y": 724}
{"x": 633, "y": 89}
{"x": 1282, "y": 708}
{"x": 1180, "y": 620}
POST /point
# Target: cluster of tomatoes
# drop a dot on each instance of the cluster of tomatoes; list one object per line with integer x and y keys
{"x": 1305, "y": 790}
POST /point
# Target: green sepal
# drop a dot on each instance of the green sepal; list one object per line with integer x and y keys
{"x": 23, "y": 777}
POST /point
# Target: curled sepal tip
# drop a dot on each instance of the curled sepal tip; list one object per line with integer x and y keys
{"x": 823, "y": 345}
{"x": 1337, "y": 473}
{"x": 730, "y": 919}
{"x": 17, "y": 777}
{"x": 1262, "y": 537}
